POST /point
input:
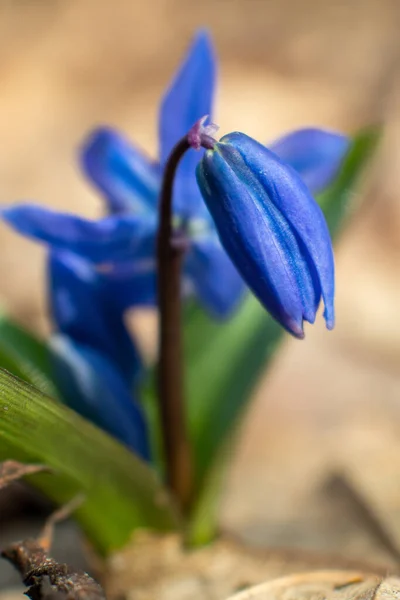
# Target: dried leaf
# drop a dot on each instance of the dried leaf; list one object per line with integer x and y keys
{"x": 45, "y": 539}
{"x": 11, "y": 470}
{"x": 325, "y": 585}
{"x": 158, "y": 567}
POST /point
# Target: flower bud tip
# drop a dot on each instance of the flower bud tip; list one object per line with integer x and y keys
{"x": 202, "y": 135}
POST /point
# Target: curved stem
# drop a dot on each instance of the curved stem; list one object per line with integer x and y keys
{"x": 177, "y": 451}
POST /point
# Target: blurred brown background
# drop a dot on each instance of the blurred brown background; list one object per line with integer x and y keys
{"x": 331, "y": 402}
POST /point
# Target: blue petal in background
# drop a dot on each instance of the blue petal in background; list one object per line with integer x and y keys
{"x": 82, "y": 307}
{"x": 127, "y": 178}
{"x": 215, "y": 280}
{"x": 189, "y": 98}
{"x": 105, "y": 240}
{"x": 132, "y": 284}
{"x": 93, "y": 387}
{"x": 316, "y": 154}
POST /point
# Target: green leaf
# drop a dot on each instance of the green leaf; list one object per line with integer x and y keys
{"x": 220, "y": 374}
{"x": 224, "y": 361}
{"x": 340, "y": 201}
{"x": 25, "y": 355}
{"x": 122, "y": 493}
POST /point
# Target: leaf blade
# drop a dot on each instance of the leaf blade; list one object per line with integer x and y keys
{"x": 25, "y": 355}
{"x": 122, "y": 493}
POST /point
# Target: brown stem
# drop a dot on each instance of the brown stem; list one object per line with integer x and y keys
{"x": 177, "y": 451}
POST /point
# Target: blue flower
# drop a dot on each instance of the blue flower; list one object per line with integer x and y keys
{"x": 123, "y": 245}
{"x": 272, "y": 228}
{"x": 91, "y": 280}
{"x": 130, "y": 182}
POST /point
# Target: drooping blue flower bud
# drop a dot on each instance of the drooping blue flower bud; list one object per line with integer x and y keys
{"x": 271, "y": 227}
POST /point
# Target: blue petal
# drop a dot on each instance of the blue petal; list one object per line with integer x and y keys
{"x": 132, "y": 284}
{"x": 87, "y": 308}
{"x": 215, "y": 280}
{"x": 316, "y": 154}
{"x": 287, "y": 192}
{"x": 108, "y": 239}
{"x": 189, "y": 98}
{"x": 93, "y": 387}
{"x": 128, "y": 180}
{"x": 190, "y": 95}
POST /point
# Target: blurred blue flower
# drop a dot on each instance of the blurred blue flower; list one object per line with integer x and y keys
{"x": 272, "y": 228}
{"x": 208, "y": 271}
{"x": 97, "y": 365}
{"x": 130, "y": 182}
